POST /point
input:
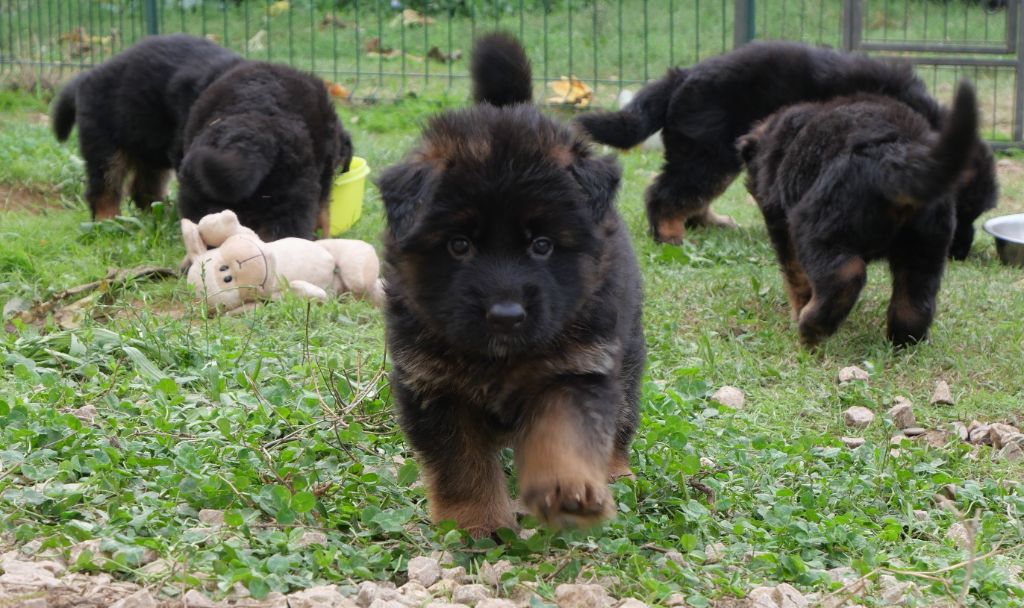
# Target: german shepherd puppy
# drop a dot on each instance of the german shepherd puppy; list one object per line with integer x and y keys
{"x": 513, "y": 307}
{"x": 851, "y": 180}
{"x": 703, "y": 109}
{"x": 131, "y": 113}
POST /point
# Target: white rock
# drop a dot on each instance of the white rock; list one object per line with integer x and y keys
{"x": 714, "y": 553}
{"x": 853, "y": 442}
{"x": 942, "y": 395}
{"x": 1012, "y": 452}
{"x": 470, "y": 594}
{"x": 762, "y": 597}
{"x": 675, "y": 557}
{"x": 310, "y": 538}
{"x": 788, "y": 597}
{"x": 676, "y": 600}
{"x": 892, "y": 590}
{"x": 920, "y": 515}
{"x": 981, "y": 434}
{"x": 92, "y": 546}
{"x": 195, "y": 599}
{"x": 960, "y": 535}
{"x": 212, "y": 517}
{"x": 491, "y": 574}
{"x": 730, "y": 396}
{"x": 581, "y": 596}
{"x": 424, "y": 570}
{"x": 849, "y": 374}
{"x": 999, "y": 433}
{"x": 36, "y": 602}
{"x": 413, "y": 594}
{"x": 86, "y": 413}
{"x": 324, "y": 596}
{"x": 139, "y": 599}
{"x": 30, "y": 573}
{"x": 457, "y": 574}
{"x": 858, "y": 417}
{"x": 379, "y": 603}
{"x": 706, "y": 462}
{"x": 367, "y": 592}
{"x": 631, "y": 603}
{"x": 443, "y": 588}
{"x": 902, "y": 414}
{"x": 493, "y": 602}
{"x": 445, "y": 605}
{"x": 961, "y": 431}
{"x": 914, "y": 431}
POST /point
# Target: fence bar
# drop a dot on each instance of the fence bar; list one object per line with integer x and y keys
{"x": 152, "y": 18}
{"x": 744, "y": 13}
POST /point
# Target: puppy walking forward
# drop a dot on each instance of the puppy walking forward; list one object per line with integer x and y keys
{"x": 513, "y": 307}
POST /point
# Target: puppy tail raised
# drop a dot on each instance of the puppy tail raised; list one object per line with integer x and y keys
{"x": 501, "y": 71}
{"x": 641, "y": 118}
{"x": 63, "y": 114}
{"x": 950, "y": 155}
{"x": 224, "y": 174}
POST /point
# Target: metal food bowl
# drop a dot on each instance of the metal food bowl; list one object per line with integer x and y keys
{"x": 1009, "y": 233}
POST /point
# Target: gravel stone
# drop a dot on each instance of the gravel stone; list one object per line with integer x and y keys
{"x": 424, "y": 570}
{"x": 194, "y": 598}
{"x": 960, "y": 535}
{"x": 631, "y": 603}
{"x": 491, "y": 574}
{"x": 1000, "y": 433}
{"x": 324, "y": 596}
{"x": 849, "y": 374}
{"x": 675, "y": 557}
{"x": 212, "y": 517}
{"x": 902, "y": 414}
{"x": 858, "y": 417}
{"x": 493, "y": 602}
{"x": 942, "y": 395}
{"x": 443, "y": 588}
{"x": 1012, "y": 452}
{"x": 457, "y": 574}
{"x": 581, "y": 596}
{"x": 730, "y": 396}
{"x": 853, "y": 442}
{"x": 470, "y": 594}
{"x": 312, "y": 537}
{"x": 139, "y": 599}
{"x": 914, "y": 431}
{"x": 714, "y": 553}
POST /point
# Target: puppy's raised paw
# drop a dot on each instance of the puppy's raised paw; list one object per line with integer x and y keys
{"x": 573, "y": 502}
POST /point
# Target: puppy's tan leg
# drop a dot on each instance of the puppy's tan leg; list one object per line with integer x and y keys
{"x": 798, "y": 288}
{"x": 105, "y": 188}
{"x": 564, "y": 465}
{"x": 619, "y": 465}
{"x": 707, "y": 217}
{"x": 671, "y": 230}
{"x": 323, "y": 221}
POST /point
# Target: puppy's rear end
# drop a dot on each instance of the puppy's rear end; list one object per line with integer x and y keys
{"x": 513, "y": 308}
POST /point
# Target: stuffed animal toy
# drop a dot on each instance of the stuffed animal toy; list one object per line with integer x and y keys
{"x": 230, "y": 265}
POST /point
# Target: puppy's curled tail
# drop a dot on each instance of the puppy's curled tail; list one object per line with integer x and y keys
{"x": 501, "y": 71}
{"x": 64, "y": 110}
{"x": 641, "y": 118}
{"x": 225, "y": 174}
{"x": 950, "y": 155}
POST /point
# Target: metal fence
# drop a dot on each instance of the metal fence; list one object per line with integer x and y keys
{"x": 390, "y": 49}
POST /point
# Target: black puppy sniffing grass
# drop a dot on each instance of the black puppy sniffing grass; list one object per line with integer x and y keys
{"x": 844, "y": 182}
{"x": 513, "y": 307}
{"x": 264, "y": 140}
{"x": 131, "y": 112}
{"x": 704, "y": 108}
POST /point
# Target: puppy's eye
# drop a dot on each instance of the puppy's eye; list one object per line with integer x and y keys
{"x": 541, "y": 247}
{"x": 459, "y": 246}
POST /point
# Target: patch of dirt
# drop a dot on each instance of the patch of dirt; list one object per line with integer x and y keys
{"x": 19, "y": 198}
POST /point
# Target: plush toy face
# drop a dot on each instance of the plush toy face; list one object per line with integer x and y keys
{"x": 239, "y": 271}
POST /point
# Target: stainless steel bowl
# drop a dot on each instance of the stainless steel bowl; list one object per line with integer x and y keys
{"x": 1009, "y": 233}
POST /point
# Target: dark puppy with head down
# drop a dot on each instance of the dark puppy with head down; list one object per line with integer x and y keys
{"x": 704, "y": 108}
{"x": 513, "y": 307}
{"x": 851, "y": 180}
{"x": 131, "y": 112}
{"x": 264, "y": 141}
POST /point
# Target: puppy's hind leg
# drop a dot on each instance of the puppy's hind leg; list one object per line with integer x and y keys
{"x": 149, "y": 184}
{"x": 836, "y": 281}
{"x": 798, "y": 287}
{"x": 105, "y": 186}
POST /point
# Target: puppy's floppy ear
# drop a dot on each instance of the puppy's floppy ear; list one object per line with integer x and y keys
{"x": 599, "y": 177}
{"x": 747, "y": 146}
{"x": 404, "y": 189}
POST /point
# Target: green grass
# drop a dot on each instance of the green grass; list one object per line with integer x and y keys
{"x": 282, "y": 417}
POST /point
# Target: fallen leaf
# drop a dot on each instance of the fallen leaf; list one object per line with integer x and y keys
{"x": 571, "y": 91}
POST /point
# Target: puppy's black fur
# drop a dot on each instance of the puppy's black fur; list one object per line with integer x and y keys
{"x": 264, "y": 141}
{"x": 703, "y": 109}
{"x": 851, "y": 180}
{"x": 513, "y": 307}
{"x": 131, "y": 112}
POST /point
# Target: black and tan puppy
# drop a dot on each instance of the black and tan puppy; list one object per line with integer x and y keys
{"x": 704, "y": 108}
{"x": 513, "y": 307}
{"x": 131, "y": 112}
{"x": 851, "y": 180}
{"x": 263, "y": 140}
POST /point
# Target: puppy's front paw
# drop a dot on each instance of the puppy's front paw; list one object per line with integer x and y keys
{"x": 569, "y": 501}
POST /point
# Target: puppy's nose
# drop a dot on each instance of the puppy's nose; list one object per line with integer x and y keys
{"x": 506, "y": 315}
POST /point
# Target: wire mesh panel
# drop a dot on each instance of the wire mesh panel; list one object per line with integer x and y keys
{"x": 583, "y": 51}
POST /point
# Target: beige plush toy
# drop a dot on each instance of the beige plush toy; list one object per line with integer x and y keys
{"x": 231, "y": 266}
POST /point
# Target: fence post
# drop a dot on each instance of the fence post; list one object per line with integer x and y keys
{"x": 152, "y": 19}
{"x": 743, "y": 28}
{"x": 1018, "y": 102}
